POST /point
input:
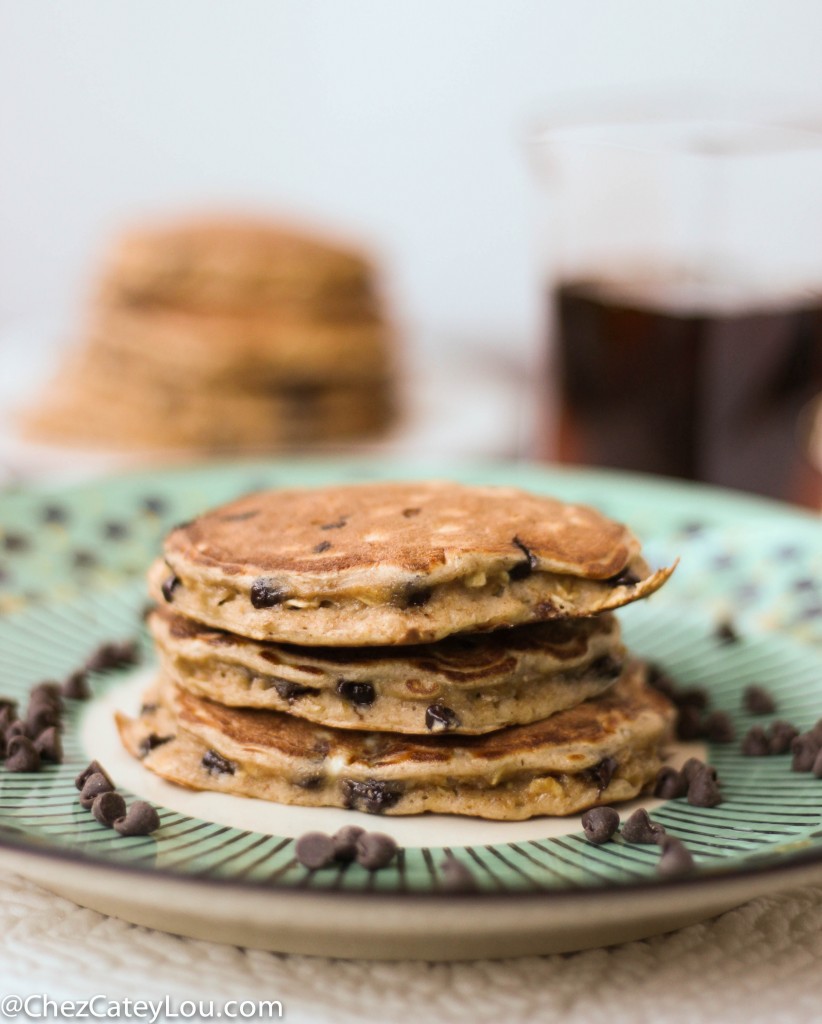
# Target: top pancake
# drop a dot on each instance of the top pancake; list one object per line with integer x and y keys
{"x": 396, "y": 563}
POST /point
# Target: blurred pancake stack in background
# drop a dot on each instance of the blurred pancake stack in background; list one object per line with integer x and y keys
{"x": 225, "y": 334}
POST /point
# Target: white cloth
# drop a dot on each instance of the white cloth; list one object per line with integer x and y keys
{"x": 760, "y": 962}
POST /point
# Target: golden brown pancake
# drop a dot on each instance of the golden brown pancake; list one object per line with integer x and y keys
{"x": 600, "y": 752}
{"x": 397, "y": 563}
{"x": 472, "y": 683}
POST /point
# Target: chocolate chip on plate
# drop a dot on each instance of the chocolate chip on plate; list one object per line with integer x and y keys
{"x": 675, "y": 858}
{"x": 689, "y": 723}
{"x": 314, "y": 850}
{"x": 76, "y": 686}
{"x": 456, "y": 877}
{"x": 21, "y": 755}
{"x": 93, "y": 786}
{"x": 670, "y": 783}
{"x": 718, "y": 727}
{"x": 693, "y": 766}
{"x": 758, "y": 701}
{"x": 439, "y": 718}
{"x": 639, "y": 828}
{"x": 599, "y": 824}
{"x": 114, "y": 655}
{"x": 95, "y": 768}
{"x": 755, "y": 743}
{"x": 345, "y": 842}
{"x": 726, "y": 633}
{"x": 780, "y": 736}
{"x": 108, "y": 807}
{"x": 703, "y": 789}
{"x": 375, "y": 850}
{"x": 141, "y": 819}
{"x": 804, "y": 748}
{"x": 49, "y": 745}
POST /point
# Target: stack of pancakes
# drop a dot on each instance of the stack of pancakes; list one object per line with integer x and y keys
{"x": 225, "y": 334}
{"x": 399, "y": 648}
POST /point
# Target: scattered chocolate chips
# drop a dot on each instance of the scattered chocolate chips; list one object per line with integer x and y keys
{"x": 15, "y": 542}
{"x": 115, "y": 530}
{"x": 375, "y": 850}
{"x": 725, "y": 633}
{"x": 456, "y": 877}
{"x": 324, "y": 545}
{"x": 693, "y": 767}
{"x": 76, "y": 686}
{"x": 153, "y": 505}
{"x": 599, "y": 824}
{"x": 758, "y": 701}
{"x": 95, "y": 768}
{"x": 41, "y": 716}
{"x": 17, "y": 728}
{"x": 94, "y": 785}
{"x": 54, "y": 514}
{"x": 523, "y": 569}
{"x": 169, "y": 585}
{"x": 151, "y": 742}
{"x": 780, "y": 736}
{"x": 291, "y": 691}
{"x": 670, "y": 783}
{"x": 266, "y": 593}
{"x": 216, "y": 764}
{"x": 114, "y": 655}
{"x": 21, "y": 755}
{"x": 107, "y": 807}
{"x": 703, "y": 788}
{"x": 314, "y": 850}
{"x": 675, "y": 858}
{"x": 689, "y": 723}
{"x": 718, "y": 727}
{"x": 141, "y": 819}
{"x": 693, "y": 697}
{"x": 755, "y": 743}
{"x": 49, "y": 745}
{"x": 439, "y": 718}
{"x": 360, "y": 694}
{"x": 639, "y": 828}
{"x": 370, "y": 795}
{"x": 345, "y": 842}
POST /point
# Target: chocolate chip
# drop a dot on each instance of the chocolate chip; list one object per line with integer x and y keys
{"x": 82, "y": 559}
{"x": 108, "y": 807}
{"x": 216, "y": 764}
{"x": 599, "y": 824}
{"x": 314, "y": 850}
{"x": 523, "y": 569}
{"x": 15, "y": 542}
{"x": 94, "y": 785}
{"x": 817, "y": 766}
{"x": 409, "y": 513}
{"x": 804, "y": 748}
{"x": 375, "y": 850}
{"x": 670, "y": 783}
{"x": 345, "y": 842}
{"x": 49, "y": 745}
{"x": 456, "y": 877}
{"x": 758, "y": 701}
{"x": 17, "y": 728}
{"x": 703, "y": 789}
{"x": 689, "y": 723}
{"x": 48, "y": 690}
{"x": 21, "y": 755}
{"x": 76, "y": 686}
{"x": 718, "y": 727}
{"x": 95, "y": 768}
{"x": 41, "y": 716}
{"x": 755, "y": 743}
{"x": 725, "y": 633}
{"x": 356, "y": 693}
{"x": 324, "y": 545}
{"x": 153, "y": 505}
{"x": 675, "y": 858}
{"x": 338, "y": 524}
{"x": 291, "y": 691}
{"x": 626, "y": 578}
{"x": 639, "y": 828}
{"x": 370, "y": 795}
{"x": 693, "y": 697}
{"x": 439, "y": 718}
{"x": 314, "y": 781}
{"x": 141, "y": 819}
{"x": 693, "y": 767}
{"x": 169, "y": 585}
{"x": 780, "y": 736}
{"x": 151, "y": 742}
{"x": 661, "y": 681}
{"x": 266, "y": 593}
{"x": 115, "y": 530}
{"x": 411, "y": 595}
{"x": 55, "y": 514}
{"x": 114, "y": 655}
{"x": 607, "y": 667}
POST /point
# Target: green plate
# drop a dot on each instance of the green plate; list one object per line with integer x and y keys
{"x": 71, "y": 567}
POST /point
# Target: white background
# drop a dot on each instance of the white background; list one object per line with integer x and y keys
{"x": 400, "y": 121}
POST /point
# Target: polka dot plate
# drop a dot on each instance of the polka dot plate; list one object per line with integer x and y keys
{"x": 72, "y": 563}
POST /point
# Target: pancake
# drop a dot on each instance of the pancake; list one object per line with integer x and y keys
{"x": 600, "y": 752}
{"x": 396, "y": 563}
{"x": 465, "y": 684}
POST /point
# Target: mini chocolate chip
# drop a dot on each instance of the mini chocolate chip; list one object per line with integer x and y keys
{"x": 599, "y": 824}
{"x": 108, "y": 807}
{"x": 689, "y": 723}
{"x": 153, "y": 506}
{"x": 216, "y": 764}
{"x": 693, "y": 767}
{"x": 151, "y": 742}
{"x": 626, "y": 578}
{"x": 314, "y": 850}
{"x": 439, "y": 718}
{"x": 49, "y": 745}
{"x": 55, "y": 514}
{"x": 94, "y": 785}
{"x": 375, "y": 850}
{"x": 755, "y": 743}
{"x": 21, "y": 755}
{"x": 115, "y": 530}
{"x": 370, "y": 795}
{"x": 456, "y": 877}
{"x": 324, "y": 545}
{"x": 670, "y": 783}
{"x": 169, "y": 585}
{"x": 522, "y": 570}
{"x": 114, "y": 655}
{"x": 804, "y": 748}
{"x": 703, "y": 790}
{"x": 725, "y": 633}
{"x": 345, "y": 842}
{"x": 675, "y": 858}
{"x": 758, "y": 701}
{"x": 336, "y": 525}
{"x": 15, "y": 542}
{"x": 76, "y": 686}
{"x": 266, "y": 593}
{"x": 314, "y": 781}
{"x": 780, "y": 736}
{"x": 356, "y": 693}
{"x": 141, "y": 819}
{"x": 291, "y": 691}
{"x": 719, "y": 728}
{"x": 95, "y": 768}
{"x": 639, "y": 828}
